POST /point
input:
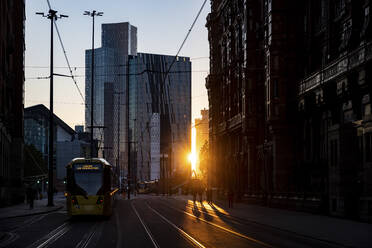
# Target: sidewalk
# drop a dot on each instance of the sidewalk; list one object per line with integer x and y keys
{"x": 40, "y": 207}
{"x": 340, "y": 231}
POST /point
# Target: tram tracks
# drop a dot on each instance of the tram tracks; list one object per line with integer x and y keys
{"x": 184, "y": 234}
{"x": 93, "y": 232}
{"x": 220, "y": 227}
{"x": 194, "y": 241}
{"x": 145, "y": 226}
{"x": 226, "y": 218}
{"x": 51, "y": 237}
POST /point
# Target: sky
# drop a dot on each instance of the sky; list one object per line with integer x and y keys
{"x": 161, "y": 27}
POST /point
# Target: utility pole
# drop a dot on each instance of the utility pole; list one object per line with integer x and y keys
{"x": 92, "y": 14}
{"x": 52, "y": 17}
{"x": 118, "y": 169}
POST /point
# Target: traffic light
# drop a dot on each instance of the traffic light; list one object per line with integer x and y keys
{"x": 38, "y": 181}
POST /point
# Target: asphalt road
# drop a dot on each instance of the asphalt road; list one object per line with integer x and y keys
{"x": 148, "y": 221}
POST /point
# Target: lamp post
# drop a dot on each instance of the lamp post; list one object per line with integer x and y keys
{"x": 92, "y": 14}
{"x": 118, "y": 168}
{"x": 52, "y": 16}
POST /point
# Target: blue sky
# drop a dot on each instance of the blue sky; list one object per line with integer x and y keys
{"x": 162, "y": 25}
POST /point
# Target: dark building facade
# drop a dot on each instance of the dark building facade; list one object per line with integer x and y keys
{"x": 335, "y": 107}
{"x": 235, "y": 91}
{"x": 12, "y": 46}
{"x": 289, "y": 92}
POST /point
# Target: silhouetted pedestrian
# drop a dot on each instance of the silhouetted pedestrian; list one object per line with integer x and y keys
{"x": 30, "y": 193}
{"x": 200, "y": 192}
{"x": 231, "y": 198}
{"x": 209, "y": 195}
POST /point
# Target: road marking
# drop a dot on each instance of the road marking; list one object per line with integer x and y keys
{"x": 224, "y": 228}
{"x": 186, "y": 235}
{"x": 51, "y": 237}
{"x": 145, "y": 227}
{"x": 84, "y": 242}
{"x": 119, "y": 241}
{"x": 11, "y": 238}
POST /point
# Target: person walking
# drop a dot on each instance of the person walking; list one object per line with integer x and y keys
{"x": 200, "y": 192}
{"x": 231, "y": 198}
{"x": 30, "y": 194}
{"x": 209, "y": 195}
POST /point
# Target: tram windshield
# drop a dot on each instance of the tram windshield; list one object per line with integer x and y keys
{"x": 88, "y": 178}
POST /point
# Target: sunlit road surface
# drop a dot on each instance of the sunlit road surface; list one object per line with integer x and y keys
{"x": 149, "y": 221}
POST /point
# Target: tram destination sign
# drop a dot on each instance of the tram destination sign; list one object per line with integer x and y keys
{"x": 83, "y": 167}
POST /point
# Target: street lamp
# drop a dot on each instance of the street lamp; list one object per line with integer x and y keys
{"x": 92, "y": 14}
{"x": 52, "y": 16}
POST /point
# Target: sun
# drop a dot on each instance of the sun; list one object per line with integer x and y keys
{"x": 192, "y": 159}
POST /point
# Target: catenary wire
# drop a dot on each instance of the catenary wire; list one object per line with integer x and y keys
{"x": 72, "y": 76}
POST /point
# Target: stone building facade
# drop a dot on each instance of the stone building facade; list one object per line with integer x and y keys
{"x": 335, "y": 107}
{"x": 289, "y": 98}
{"x": 236, "y": 94}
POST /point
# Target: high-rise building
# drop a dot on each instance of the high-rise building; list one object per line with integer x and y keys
{"x": 159, "y": 115}
{"x": 156, "y": 130}
{"x": 118, "y": 41}
{"x": 12, "y": 46}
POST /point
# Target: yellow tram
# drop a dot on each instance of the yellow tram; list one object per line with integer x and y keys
{"x": 90, "y": 188}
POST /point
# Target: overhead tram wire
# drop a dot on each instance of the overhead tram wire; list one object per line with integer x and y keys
{"x": 187, "y": 35}
{"x": 131, "y": 74}
{"x": 83, "y": 67}
{"x": 72, "y": 76}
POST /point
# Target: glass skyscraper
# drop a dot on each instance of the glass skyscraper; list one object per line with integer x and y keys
{"x": 159, "y": 114}
{"x": 157, "y": 126}
{"x": 118, "y": 41}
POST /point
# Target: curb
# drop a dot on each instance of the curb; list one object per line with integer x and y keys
{"x": 30, "y": 214}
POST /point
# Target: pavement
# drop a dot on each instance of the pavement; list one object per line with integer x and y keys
{"x": 343, "y": 232}
{"x": 40, "y": 207}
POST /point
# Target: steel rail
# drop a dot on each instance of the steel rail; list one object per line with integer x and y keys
{"x": 187, "y": 236}
{"x": 145, "y": 227}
